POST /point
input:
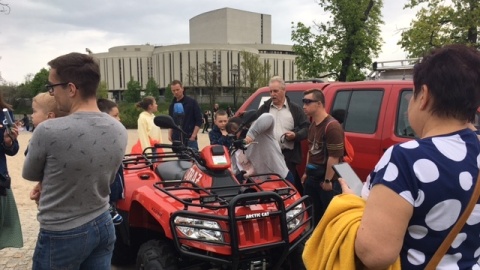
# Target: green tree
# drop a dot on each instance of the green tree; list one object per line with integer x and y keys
{"x": 344, "y": 45}
{"x": 2, "y": 81}
{"x": 37, "y": 84}
{"x": 439, "y": 23}
{"x": 168, "y": 94}
{"x": 132, "y": 94}
{"x": 209, "y": 74}
{"x": 102, "y": 91}
{"x": 192, "y": 77}
{"x": 151, "y": 89}
{"x": 253, "y": 73}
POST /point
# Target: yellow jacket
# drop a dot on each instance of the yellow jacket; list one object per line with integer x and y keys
{"x": 147, "y": 130}
{"x": 332, "y": 244}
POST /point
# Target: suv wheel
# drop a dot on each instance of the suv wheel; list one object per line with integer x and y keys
{"x": 156, "y": 255}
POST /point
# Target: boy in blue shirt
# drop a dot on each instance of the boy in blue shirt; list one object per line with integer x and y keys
{"x": 219, "y": 134}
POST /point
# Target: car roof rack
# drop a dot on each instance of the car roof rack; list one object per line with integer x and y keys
{"x": 393, "y": 69}
{"x": 315, "y": 80}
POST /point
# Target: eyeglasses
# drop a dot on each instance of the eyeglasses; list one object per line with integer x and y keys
{"x": 49, "y": 87}
{"x": 307, "y": 101}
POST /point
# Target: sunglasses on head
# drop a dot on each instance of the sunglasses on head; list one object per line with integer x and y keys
{"x": 308, "y": 101}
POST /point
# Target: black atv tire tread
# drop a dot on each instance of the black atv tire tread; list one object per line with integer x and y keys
{"x": 156, "y": 255}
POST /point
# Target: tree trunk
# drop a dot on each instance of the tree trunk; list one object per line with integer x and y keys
{"x": 472, "y": 33}
{"x": 351, "y": 43}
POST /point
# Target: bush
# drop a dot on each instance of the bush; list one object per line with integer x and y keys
{"x": 129, "y": 113}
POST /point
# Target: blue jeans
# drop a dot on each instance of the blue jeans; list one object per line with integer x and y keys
{"x": 290, "y": 178}
{"x": 89, "y": 246}
{"x": 193, "y": 144}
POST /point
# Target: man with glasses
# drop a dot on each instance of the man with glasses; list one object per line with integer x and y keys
{"x": 291, "y": 125}
{"x": 76, "y": 158}
{"x": 325, "y": 149}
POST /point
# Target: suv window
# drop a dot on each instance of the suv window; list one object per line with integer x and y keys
{"x": 402, "y": 127}
{"x": 295, "y": 96}
{"x": 357, "y": 110}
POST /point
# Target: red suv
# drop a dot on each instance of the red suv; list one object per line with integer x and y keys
{"x": 373, "y": 114}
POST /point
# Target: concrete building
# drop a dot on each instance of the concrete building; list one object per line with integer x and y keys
{"x": 231, "y": 26}
{"x": 218, "y": 37}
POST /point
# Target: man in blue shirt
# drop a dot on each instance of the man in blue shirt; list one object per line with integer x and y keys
{"x": 192, "y": 119}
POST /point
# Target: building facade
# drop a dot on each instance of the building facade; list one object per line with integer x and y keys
{"x": 216, "y": 37}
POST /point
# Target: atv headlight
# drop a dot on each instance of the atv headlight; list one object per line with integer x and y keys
{"x": 199, "y": 229}
{"x": 294, "y": 218}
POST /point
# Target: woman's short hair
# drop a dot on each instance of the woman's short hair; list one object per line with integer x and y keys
{"x": 452, "y": 75}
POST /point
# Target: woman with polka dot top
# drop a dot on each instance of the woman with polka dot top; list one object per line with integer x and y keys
{"x": 418, "y": 190}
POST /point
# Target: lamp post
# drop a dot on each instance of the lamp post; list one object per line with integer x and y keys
{"x": 234, "y": 73}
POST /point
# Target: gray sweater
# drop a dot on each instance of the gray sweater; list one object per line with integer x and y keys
{"x": 265, "y": 155}
{"x": 76, "y": 157}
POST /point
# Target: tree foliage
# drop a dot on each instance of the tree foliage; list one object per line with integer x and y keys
{"x": 192, "y": 77}
{"x": 344, "y": 44}
{"x": 4, "y": 8}
{"x": 151, "y": 89}
{"x": 132, "y": 94}
{"x": 253, "y": 73}
{"x": 102, "y": 91}
{"x": 37, "y": 84}
{"x": 168, "y": 94}
{"x": 439, "y": 23}
{"x": 210, "y": 74}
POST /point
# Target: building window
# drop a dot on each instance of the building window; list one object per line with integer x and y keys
{"x": 181, "y": 67}
{"x": 120, "y": 71}
{"x": 141, "y": 72}
{"x": 138, "y": 70}
{"x": 261, "y": 28}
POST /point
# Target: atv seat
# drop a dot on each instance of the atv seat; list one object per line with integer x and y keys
{"x": 173, "y": 169}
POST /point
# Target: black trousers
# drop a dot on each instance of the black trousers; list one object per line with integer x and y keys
{"x": 320, "y": 198}
{"x": 292, "y": 167}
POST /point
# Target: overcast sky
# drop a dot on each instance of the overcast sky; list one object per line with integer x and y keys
{"x": 37, "y": 31}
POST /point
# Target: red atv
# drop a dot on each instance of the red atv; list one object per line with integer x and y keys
{"x": 185, "y": 209}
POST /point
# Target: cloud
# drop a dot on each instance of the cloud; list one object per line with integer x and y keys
{"x": 37, "y": 31}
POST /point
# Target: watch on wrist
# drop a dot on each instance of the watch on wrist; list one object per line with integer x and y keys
{"x": 327, "y": 181}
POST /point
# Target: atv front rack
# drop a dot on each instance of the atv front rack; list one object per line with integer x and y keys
{"x": 219, "y": 197}
{"x": 271, "y": 234}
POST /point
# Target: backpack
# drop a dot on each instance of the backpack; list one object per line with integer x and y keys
{"x": 349, "y": 153}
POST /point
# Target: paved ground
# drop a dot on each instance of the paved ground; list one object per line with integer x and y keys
{"x": 21, "y": 259}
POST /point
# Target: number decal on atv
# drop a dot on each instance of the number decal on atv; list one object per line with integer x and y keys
{"x": 193, "y": 175}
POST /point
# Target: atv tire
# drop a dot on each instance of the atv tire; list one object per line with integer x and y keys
{"x": 156, "y": 255}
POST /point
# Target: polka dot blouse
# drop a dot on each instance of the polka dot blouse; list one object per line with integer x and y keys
{"x": 436, "y": 176}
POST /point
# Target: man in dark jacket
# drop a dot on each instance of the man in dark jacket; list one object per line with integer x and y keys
{"x": 192, "y": 119}
{"x": 291, "y": 125}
